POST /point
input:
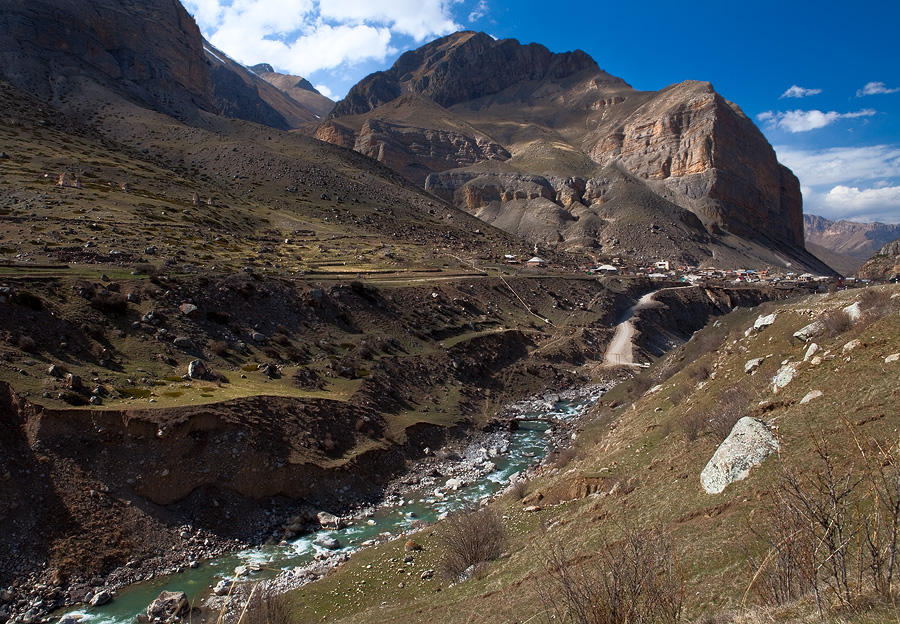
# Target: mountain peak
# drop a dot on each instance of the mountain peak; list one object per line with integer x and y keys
{"x": 460, "y": 67}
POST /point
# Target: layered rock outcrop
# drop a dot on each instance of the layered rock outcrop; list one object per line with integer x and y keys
{"x": 150, "y": 50}
{"x": 415, "y": 152}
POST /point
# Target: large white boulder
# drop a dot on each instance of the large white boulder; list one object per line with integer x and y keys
{"x": 749, "y": 444}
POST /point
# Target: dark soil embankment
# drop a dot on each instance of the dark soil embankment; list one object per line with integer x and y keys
{"x": 682, "y": 311}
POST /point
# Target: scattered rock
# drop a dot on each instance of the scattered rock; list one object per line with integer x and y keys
{"x": 412, "y": 546}
{"x": 892, "y": 358}
{"x": 809, "y": 332}
{"x": 327, "y": 542}
{"x": 813, "y": 348}
{"x": 222, "y": 587}
{"x": 764, "y": 321}
{"x": 182, "y": 342}
{"x": 749, "y": 444}
{"x": 329, "y": 521}
{"x": 101, "y": 598}
{"x": 784, "y": 376}
{"x": 188, "y": 309}
{"x": 753, "y": 364}
{"x": 847, "y": 348}
{"x": 197, "y": 370}
{"x": 853, "y": 311}
{"x": 73, "y": 382}
{"x": 813, "y": 394}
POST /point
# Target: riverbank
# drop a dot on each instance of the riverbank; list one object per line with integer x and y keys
{"x": 464, "y": 460}
{"x": 450, "y": 471}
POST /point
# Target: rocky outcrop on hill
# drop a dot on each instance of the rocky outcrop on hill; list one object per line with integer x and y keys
{"x": 884, "y": 265}
{"x": 241, "y": 93}
{"x": 151, "y": 51}
{"x": 712, "y": 159}
{"x": 416, "y": 152}
{"x": 297, "y": 88}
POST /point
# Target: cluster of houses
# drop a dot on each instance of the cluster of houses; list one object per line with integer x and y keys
{"x": 663, "y": 270}
{"x": 698, "y": 276}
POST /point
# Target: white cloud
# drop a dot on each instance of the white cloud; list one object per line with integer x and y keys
{"x": 803, "y": 121}
{"x": 416, "y": 18}
{"x": 875, "y": 204}
{"x": 324, "y": 90}
{"x": 855, "y": 183}
{"x": 306, "y": 36}
{"x": 480, "y": 10}
{"x": 833, "y": 166}
{"x": 799, "y": 92}
{"x": 875, "y": 88}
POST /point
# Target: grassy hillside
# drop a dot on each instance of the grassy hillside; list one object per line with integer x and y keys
{"x": 636, "y": 468}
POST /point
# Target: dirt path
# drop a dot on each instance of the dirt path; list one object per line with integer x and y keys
{"x": 620, "y": 351}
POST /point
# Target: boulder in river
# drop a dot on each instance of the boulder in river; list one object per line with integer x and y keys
{"x": 327, "y": 542}
{"x": 101, "y": 598}
{"x": 167, "y": 605}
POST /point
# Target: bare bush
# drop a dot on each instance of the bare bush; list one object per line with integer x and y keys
{"x": 693, "y": 424}
{"x": 109, "y": 302}
{"x": 470, "y": 538}
{"x": 835, "y": 529}
{"x": 698, "y": 373}
{"x": 565, "y": 456}
{"x": 836, "y": 322}
{"x": 679, "y": 394}
{"x": 518, "y": 489}
{"x": 219, "y": 347}
{"x": 875, "y": 304}
{"x": 635, "y": 579}
{"x": 730, "y": 408}
{"x": 27, "y": 343}
{"x": 266, "y": 607}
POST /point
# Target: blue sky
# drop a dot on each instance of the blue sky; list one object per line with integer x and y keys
{"x": 821, "y": 80}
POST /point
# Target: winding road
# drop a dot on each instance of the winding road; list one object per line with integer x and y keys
{"x": 620, "y": 351}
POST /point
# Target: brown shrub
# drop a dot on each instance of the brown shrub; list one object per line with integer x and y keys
{"x": 109, "y": 302}
{"x": 265, "y": 606}
{"x": 470, "y": 538}
{"x": 635, "y": 579}
{"x": 219, "y": 347}
{"x": 730, "y": 408}
{"x": 27, "y": 343}
{"x": 836, "y": 322}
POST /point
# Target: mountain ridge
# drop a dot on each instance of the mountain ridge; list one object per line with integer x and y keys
{"x": 686, "y": 143}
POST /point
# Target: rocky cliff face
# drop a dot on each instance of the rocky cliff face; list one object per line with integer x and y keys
{"x": 688, "y": 145}
{"x": 884, "y": 265}
{"x": 297, "y": 88}
{"x": 151, "y": 51}
{"x": 712, "y": 157}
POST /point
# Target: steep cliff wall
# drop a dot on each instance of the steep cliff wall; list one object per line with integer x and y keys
{"x": 149, "y": 50}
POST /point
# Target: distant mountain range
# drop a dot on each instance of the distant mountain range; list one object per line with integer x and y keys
{"x": 846, "y": 245}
